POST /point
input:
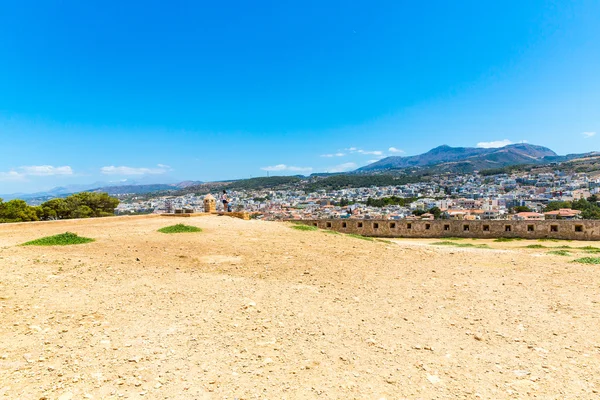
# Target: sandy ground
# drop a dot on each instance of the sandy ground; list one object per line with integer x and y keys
{"x": 258, "y": 310}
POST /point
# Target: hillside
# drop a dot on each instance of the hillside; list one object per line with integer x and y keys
{"x": 254, "y": 309}
{"x": 468, "y": 159}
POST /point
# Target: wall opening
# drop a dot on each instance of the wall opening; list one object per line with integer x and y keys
{"x": 344, "y": 225}
{"x": 428, "y": 226}
{"x": 315, "y": 224}
{"x": 466, "y": 228}
{"x": 486, "y": 228}
{"x": 329, "y": 224}
{"x": 375, "y": 225}
{"x": 446, "y": 227}
{"x": 530, "y": 228}
{"x": 553, "y": 228}
{"x": 578, "y": 228}
{"x": 508, "y": 228}
{"x": 360, "y": 224}
{"x": 392, "y": 225}
{"x": 408, "y": 226}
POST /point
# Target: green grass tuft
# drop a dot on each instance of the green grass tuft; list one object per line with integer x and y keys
{"x": 588, "y": 260}
{"x": 63, "y": 239}
{"x": 305, "y": 228}
{"x": 560, "y": 252}
{"x": 179, "y": 228}
{"x": 353, "y": 235}
{"x": 476, "y": 246}
{"x": 535, "y": 246}
{"x": 332, "y": 232}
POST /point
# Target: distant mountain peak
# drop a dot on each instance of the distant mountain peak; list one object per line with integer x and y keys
{"x": 478, "y": 158}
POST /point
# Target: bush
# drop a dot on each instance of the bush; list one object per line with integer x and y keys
{"x": 179, "y": 228}
{"x": 63, "y": 239}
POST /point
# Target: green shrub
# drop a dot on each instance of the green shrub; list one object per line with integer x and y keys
{"x": 179, "y": 228}
{"x": 63, "y": 239}
{"x": 588, "y": 260}
{"x": 535, "y": 246}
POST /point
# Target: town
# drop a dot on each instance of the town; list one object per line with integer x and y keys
{"x": 474, "y": 196}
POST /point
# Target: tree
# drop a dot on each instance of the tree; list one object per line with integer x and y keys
{"x": 519, "y": 209}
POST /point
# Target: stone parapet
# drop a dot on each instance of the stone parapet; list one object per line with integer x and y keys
{"x": 483, "y": 229}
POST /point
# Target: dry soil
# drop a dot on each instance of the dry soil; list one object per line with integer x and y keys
{"x": 259, "y": 310}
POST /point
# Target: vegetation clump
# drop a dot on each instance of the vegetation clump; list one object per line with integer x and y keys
{"x": 80, "y": 205}
{"x": 588, "y": 260}
{"x": 560, "y": 252}
{"x": 503, "y": 239}
{"x": 535, "y": 246}
{"x": 179, "y": 228}
{"x": 476, "y": 246}
{"x": 353, "y": 235}
{"x": 305, "y": 228}
{"x": 62, "y": 239}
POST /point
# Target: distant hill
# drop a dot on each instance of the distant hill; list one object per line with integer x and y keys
{"x": 467, "y": 159}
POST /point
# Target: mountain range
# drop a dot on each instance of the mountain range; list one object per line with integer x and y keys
{"x": 468, "y": 159}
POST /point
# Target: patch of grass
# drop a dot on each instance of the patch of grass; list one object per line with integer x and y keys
{"x": 63, "y": 239}
{"x": 547, "y": 240}
{"x": 590, "y": 248}
{"x": 476, "y": 246}
{"x": 332, "y": 232}
{"x": 385, "y": 241}
{"x": 588, "y": 260}
{"x": 560, "y": 252}
{"x": 179, "y": 228}
{"x": 564, "y": 247}
{"x": 305, "y": 228}
{"x": 535, "y": 246}
{"x": 353, "y": 235}
{"x": 503, "y": 239}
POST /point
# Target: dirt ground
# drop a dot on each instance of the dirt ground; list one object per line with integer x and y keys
{"x": 258, "y": 310}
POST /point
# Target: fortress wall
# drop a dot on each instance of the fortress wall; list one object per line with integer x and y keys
{"x": 551, "y": 229}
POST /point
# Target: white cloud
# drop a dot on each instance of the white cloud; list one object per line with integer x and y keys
{"x": 21, "y": 173}
{"x": 343, "y": 167}
{"x": 122, "y": 170}
{"x": 283, "y": 167}
{"x": 494, "y": 144}
{"x": 46, "y": 170}
{"x": 588, "y": 135}
{"x": 395, "y": 150}
{"x": 333, "y": 155}
{"x": 11, "y": 176}
{"x": 373, "y": 152}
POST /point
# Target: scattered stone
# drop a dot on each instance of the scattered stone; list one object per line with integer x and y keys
{"x": 433, "y": 379}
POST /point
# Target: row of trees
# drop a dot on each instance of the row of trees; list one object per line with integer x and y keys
{"x": 589, "y": 208}
{"x": 80, "y": 205}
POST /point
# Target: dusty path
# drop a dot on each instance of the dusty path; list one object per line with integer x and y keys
{"x": 252, "y": 309}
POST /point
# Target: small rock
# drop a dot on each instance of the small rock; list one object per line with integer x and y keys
{"x": 521, "y": 373}
{"x": 478, "y": 337}
{"x": 433, "y": 379}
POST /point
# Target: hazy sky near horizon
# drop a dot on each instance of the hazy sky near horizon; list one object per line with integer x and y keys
{"x": 158, "y": 91}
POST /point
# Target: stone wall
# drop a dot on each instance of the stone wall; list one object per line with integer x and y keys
{"x": 556, "y": 229}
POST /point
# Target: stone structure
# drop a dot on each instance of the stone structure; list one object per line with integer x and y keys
{"x": 481, "y": 229}
{"x": 210, "y": 204}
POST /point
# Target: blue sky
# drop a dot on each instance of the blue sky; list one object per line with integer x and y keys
{"x": 161, "y": 91}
